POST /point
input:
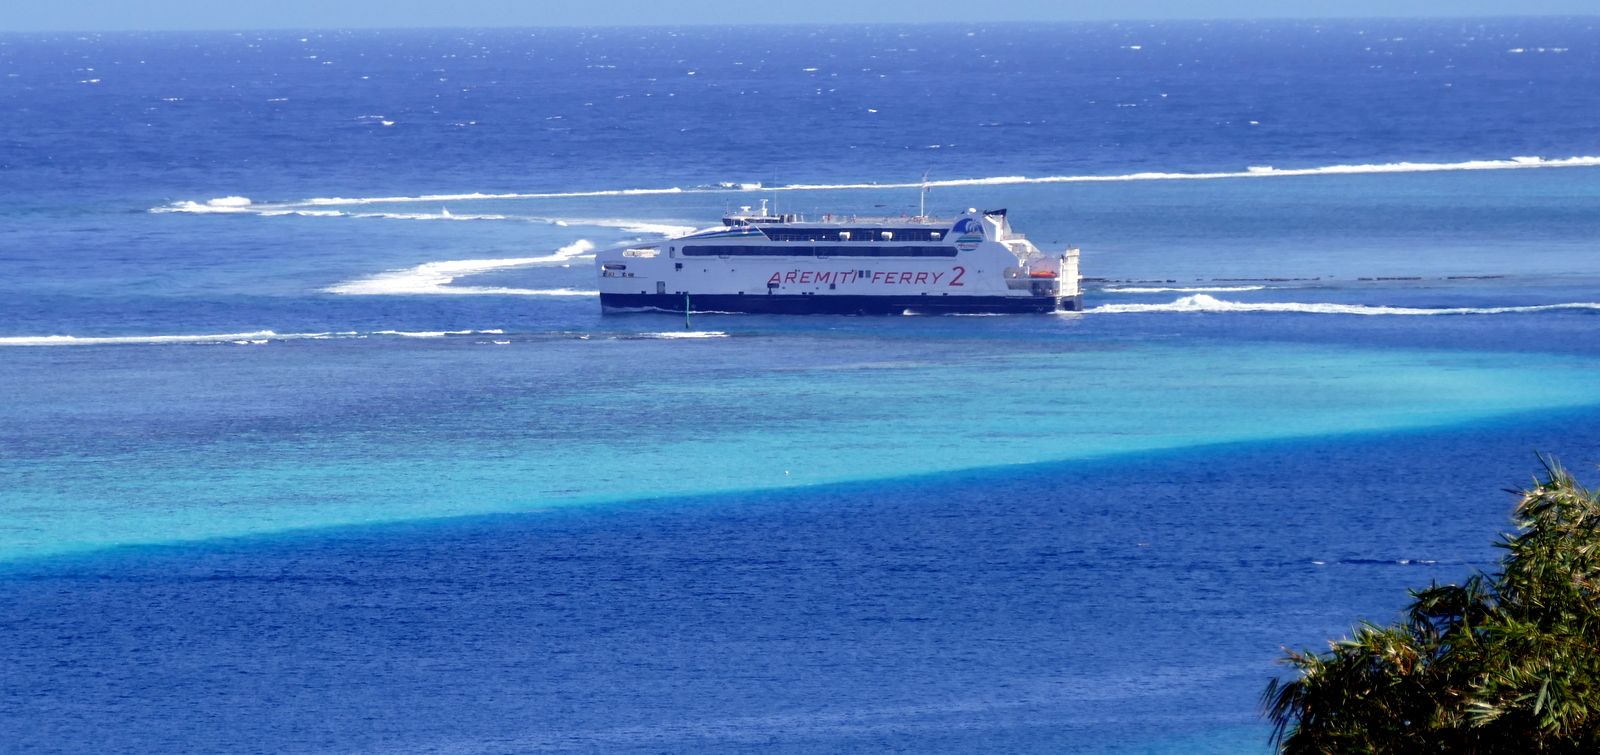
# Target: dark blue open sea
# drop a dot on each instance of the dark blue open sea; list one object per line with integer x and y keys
{"x": 313, "y": 438}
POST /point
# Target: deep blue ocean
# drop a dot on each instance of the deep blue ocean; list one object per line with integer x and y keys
{"x": 313, "y": 438}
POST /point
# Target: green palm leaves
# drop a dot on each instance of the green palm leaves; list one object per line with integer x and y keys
{"x": 1504, "y": 663}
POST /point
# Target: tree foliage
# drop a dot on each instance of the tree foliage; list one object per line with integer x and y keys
{"x": 1503, "y": 663}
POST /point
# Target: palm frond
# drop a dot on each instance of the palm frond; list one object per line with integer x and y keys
{"x": 1504, "y": 662}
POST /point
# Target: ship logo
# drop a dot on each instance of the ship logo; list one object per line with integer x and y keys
{"x": 969, "y": 234}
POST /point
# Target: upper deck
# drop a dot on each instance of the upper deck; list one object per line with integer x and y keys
{"x": 763, "y": 219}
{"x": 765, "y": 226}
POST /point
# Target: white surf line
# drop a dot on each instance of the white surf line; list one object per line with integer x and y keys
{"x": 1253, "y": 172}
{"x": 267, "y": 336}
{"x": 1178, "y": 289}
{"x": 254, "y": 337}
{"x": 438, "y": 333}
{"x": 479, "y": 195}
{"x": 243, "y": 205}
{"x": 240, "y": 204}
{"x": 260, "y": 336}
{"x": 664, "y": 230}
{"x": 436, "y": 277}
{"x": 1203, "y": 303}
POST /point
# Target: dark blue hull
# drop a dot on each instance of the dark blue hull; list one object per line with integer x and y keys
{"x": 780, "y": 304}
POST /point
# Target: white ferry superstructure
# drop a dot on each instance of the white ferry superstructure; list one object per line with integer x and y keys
{"x": 757, "y": 262}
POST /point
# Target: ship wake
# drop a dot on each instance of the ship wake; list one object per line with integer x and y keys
{"x": 1205, "y": 303}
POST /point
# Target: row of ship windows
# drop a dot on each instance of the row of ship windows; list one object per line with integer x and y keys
{"x": 854, "y": 234}
{"x": 818, "y": 250}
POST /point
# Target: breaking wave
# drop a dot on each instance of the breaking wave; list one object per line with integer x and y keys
{"x": 254, "y": 337}
{"x": 234, "y": 204}
{"x": 480, "y": 195}
{"x": 267, "y": 336}
{"x": 1252, "y": 172}
{"x": 435, "y": 277}
{"x": 243, "y": 205}
{"x": 1204, "y": 303}
{"x": 637, "y": 226}
{"x": 438, "y": 333}
{"x": 1177, "y": 289}
{"x": 259, "y": 336}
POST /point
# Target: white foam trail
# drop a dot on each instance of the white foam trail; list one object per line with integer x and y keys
{"x": 236, "y": 205}
{"x": 224, "y": 204}
{"x": 397, "y": 215}
{"x": 1204, "y": 303}
{"x": 1514, "y": 163}
{"x": 275, "y": 213}
{"x": 435, "y": 277}
{"x": 257, "y": 337}
{"x": 260, "y": 336}
{"x": 1213, "y": 289}
{"x": 637, "y": 226}
{"x": 539, "y": 291}
{"x": 1252, "y": 172}
{"x": 433, "y": 333}
{"x": 479, "y": 195}
{"x": 242, "y": 205}
{"x": 687, "y": 334}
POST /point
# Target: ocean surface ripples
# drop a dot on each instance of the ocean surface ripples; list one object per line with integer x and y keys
{"x": 286, "y": 457}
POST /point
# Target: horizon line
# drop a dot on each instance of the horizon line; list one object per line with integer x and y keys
{"x": 814, "y": 24}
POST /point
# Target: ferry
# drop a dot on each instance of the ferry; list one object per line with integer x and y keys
{"x": 768, "y": 263}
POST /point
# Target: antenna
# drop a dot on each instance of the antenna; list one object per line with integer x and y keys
{"x": 922, "y": 206}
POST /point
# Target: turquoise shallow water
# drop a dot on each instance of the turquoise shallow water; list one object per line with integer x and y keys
{"x": 220, "y": 443}
{"x": 1129, "y": 604}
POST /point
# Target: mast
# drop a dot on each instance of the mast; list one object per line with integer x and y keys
{"x": 922, "y": 204}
